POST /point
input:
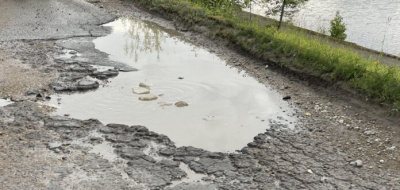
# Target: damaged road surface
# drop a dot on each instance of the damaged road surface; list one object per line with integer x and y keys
{"x": 320, "y": 139}
{"x": 49, "y": 19}
{"x": 212, "y": 107}
{"x": 56, "y": 152}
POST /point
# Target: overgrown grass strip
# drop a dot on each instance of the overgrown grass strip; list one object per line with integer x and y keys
{"x": 313, "y": 55}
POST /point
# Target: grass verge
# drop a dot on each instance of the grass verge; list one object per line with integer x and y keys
{"x": 294, "y": 49}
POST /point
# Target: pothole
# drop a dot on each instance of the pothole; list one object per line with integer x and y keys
{"x": 225, "y": 107}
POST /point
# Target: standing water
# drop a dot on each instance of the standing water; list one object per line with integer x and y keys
{"x": 226, "y": 108}
{"x": 370, "y": 23}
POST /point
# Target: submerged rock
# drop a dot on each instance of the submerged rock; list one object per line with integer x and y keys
{"x": 144, "y": 85}
{"x": 148, "y": 97}
{"x": 181, "y": 104}
{"x": 140, "y": 90}
{"x": 164, "y": 104}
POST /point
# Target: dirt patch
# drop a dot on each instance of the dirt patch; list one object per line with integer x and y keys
{"x": 55, "y": 152}
{"x": 16, "y": 79}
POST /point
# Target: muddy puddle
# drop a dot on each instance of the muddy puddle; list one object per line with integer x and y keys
{"x": 226, "y": 107}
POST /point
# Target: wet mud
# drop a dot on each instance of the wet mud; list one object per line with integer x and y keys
{"x": 81, "y": 154}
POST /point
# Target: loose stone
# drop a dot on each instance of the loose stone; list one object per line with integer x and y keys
{"x": 357, "y": 163}
{"x": 140, "y": 90}
{"x": 148, "y": 97}
{"x": 369, "y": 133}
{"x": 144, "y": 85}
{"x": 164, "y": 104}
{"x": 181, "y": 104}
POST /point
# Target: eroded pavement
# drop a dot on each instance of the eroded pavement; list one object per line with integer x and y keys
{"x": 57, "y": 152}
{"x": 43, "y": 151}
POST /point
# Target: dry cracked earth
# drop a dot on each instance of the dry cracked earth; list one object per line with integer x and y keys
{"x": 340, "y": 141}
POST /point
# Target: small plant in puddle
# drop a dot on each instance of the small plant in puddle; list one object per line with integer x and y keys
{"x": 338, "y": 27}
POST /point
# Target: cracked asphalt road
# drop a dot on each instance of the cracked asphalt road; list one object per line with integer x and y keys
{"x": 50, "y": 19}
{"x": 40, "y": 151}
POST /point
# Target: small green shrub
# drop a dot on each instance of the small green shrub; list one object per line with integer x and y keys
{"x": 338, "y": 27}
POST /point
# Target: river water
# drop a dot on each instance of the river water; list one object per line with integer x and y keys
{"x": 227, "y": 108}
{"x": 370, "y": 23}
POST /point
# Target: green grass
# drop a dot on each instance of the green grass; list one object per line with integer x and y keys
{"x": 336, "y": 63}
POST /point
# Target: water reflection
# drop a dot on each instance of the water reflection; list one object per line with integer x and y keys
{"x": 142, "y": 37}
